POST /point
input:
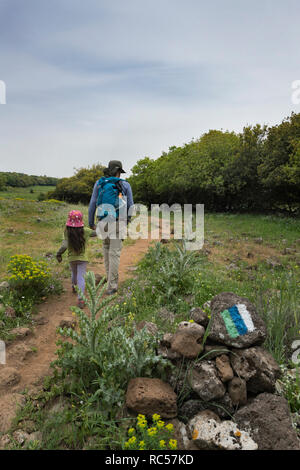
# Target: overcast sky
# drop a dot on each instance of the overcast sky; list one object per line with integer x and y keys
{"x": 93, "y": 80}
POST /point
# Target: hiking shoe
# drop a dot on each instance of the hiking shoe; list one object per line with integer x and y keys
{"x": 111, "y": 291}
{"x": 80, "y": 304}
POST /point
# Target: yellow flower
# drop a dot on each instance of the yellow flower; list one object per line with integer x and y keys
{"x": 170, "y": 427}
{"x": 132, "y": 440}
{"x": 173, "y": 444}
{"x": 160, "y": 424}
{"x": 131, "y": 431}
{"x": 162, "y": 444}
{"x": 142, "y": 445}
{"x": 156, "y": 417}
{"x": 152, "y": 431}
{"x": 142, "y": 424}
{"x": 191, "y": 321}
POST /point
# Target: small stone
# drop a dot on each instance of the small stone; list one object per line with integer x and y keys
{"x": 167, "y": 353}
{"x": 237, "y": 390}
{"x": 4, "y": 285}
{"x": 188, "y": 343}
{"x": 148, "y": 396}
{"x": 205, "y": 382}
{"x": 166, "y": 315}
{"x": 189, "y": 299}
{"x": 224, "y": 369}
{"x": 191, "y": 326}
{"x": 166, "y": 341}
{"x": 41, "y": 321}
{"x": 8, "y": 377}
{"x": 20, "y": 436}
{"x": 199, "y": 316}
{"x": 288, "y": 251}
{"x": 67, "y": 322}
{"x": 10, "y": 312}
{"x": 21, "y": 333}
{"x": 4, "y": 441}
{"x": 35, "y": 436}
{"x": 150, "y": 327}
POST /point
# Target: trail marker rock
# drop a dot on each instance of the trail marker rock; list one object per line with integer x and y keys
{"x": 235, "y": 322}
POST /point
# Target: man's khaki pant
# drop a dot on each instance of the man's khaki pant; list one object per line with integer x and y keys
{"x": 112, "y": 247}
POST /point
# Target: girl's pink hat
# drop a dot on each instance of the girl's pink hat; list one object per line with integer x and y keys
{"x": 75, "y": 219}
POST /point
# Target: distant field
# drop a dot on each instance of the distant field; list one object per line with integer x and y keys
{"x": 30, "y": 193}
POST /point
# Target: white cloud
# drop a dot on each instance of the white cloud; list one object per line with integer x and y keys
{"x": 98, "y": 80}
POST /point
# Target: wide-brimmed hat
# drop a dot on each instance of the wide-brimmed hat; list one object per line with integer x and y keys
{"x": 75, "y": 219}
{"x": 114, "y": 166}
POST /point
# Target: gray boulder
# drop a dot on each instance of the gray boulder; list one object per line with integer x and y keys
{"x": 209, "y": 434}
{"x": 199, "y": 316}
{"x": 258, "y": 367}
{"x": 204, "y": 380}
{"x": 268, "y": 420}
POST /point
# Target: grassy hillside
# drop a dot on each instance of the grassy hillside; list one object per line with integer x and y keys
{"x": 31, "y": 193}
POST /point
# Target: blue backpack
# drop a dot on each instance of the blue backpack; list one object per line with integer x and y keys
{"x": 108, "y": 201}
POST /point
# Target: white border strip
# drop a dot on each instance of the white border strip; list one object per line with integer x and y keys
{"x": 246, "y": 317}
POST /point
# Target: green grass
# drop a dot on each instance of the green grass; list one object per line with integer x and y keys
{"x": 271, "y": 228}
{"x": 273, "y": 289}
{"x": 30, "y": 193}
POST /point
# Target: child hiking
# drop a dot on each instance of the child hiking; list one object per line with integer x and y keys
{"x": 75, "y": 240}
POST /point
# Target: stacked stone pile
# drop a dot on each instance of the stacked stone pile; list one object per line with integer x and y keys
{"x": 222, "y": 385}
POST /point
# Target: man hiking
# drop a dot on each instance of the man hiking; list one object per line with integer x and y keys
{"x": 111, "y": 192}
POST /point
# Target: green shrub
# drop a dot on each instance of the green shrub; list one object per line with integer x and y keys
{"x": 170, "y": 272}
{"x": 29, "y": 281}
{"x": 290, "y": 388}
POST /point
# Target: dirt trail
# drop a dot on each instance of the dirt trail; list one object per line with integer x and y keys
{"x": 31, "y": 356}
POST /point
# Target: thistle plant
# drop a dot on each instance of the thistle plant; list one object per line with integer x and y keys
{"x": 101, "y": 357}
{"x": 90, "y": 325}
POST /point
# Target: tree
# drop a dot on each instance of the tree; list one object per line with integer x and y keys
{"x": 77, "y": 188}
